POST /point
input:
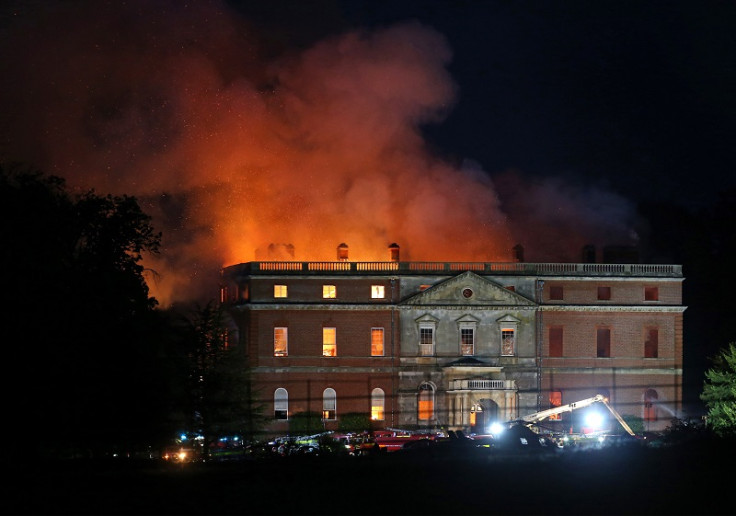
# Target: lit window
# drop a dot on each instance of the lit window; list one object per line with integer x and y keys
{"x": 280, "y": 342}
{"x": 651, "y": 345}
{"x": 603, "y": 343}
{"x": 378, "y": 404}
{"x": 329, "y": 342}
{"x": 555, "y": 341}
{"x": 555, "y": 293}
{"x": 377, "y": 342}
{"x": 604, "y": 293}
{"x": 378, "y": 291}
{"x": 426, "y": 402}
{"x": 281, "y": 404}
{"x": 467, "y": 341}
{"x": 555, "y": 400}
{"x": 426, "y": 340}
{"x": 279, "y": 291}
{"x": 329, "y": 291}
{"x": 508, "y": 341}
{"x": 651, "y": 294}
{"x": 329, "y": 404}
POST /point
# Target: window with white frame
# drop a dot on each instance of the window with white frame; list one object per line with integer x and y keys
{"x": 280, "y": 342}
{"x": 426, "y": 340}
{"x": 281, "y": 404}
{"x": 467, "y": 341}
{"x": 329, "y": 404}
{"x": 378, "y": 404}
{"x": 508, "y": 327}
{"x": 378, "y": 291}
{"x": 329, "y": 342}
{"x": 377, "y": 342}
{"x": 508, "y": 341}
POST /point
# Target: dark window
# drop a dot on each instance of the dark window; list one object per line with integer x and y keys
{"x": 555, "y": 293}
{"x": 604, "y": 293}
{"x": 555, "y": 341}
{"x": 651, "y": 294}
{"x": 603, "y": 340}
{"x": 650, "y": 405}
{"x": 651, "y": 345}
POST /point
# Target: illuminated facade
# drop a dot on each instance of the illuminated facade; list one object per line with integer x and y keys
{"x": 455, "y": 346}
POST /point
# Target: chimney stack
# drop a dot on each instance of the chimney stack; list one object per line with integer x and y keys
{"x": 393, "y": 250}
{"x": 342, "y": 252}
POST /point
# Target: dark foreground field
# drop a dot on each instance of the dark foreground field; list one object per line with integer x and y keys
{"x": 690, "y": 478}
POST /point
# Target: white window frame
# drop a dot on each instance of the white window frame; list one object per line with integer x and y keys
{"x": 378, "y": 405}
{"x": 508, "y": 323}
{"x": 281, "y": 404}
{"x": 464, "y": 328}
{"x": 329, "y": 404}
{"x": 426, "y": 349}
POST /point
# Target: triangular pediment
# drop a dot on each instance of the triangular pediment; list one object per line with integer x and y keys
{"x": 468, "y": 289}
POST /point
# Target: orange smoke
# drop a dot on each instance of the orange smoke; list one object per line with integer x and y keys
{"x": 230, "y": 152}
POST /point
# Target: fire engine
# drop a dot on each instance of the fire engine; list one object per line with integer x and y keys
{"x": 393, "y": 440}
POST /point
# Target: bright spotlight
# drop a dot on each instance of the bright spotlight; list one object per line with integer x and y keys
{"x": 594, "y": 420}
{"x": 496, "y": 428}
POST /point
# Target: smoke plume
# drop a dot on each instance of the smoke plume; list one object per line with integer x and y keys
{"x": 232, "y": 149}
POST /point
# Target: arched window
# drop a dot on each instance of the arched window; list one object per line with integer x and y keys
{"x": 426, "y": 402}
{"x": 378, "y": 402}
{"x": 650, "y": 405}
{"x": 329, "y": 404}
{"x": 281, "y": 404}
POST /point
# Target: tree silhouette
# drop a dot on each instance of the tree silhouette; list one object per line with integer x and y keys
{"x": 719, "y": 392}
{"x": 220, "y": 401}
{"x": 78, "y": 316}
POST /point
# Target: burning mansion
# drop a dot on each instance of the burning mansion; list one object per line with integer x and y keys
{"x": 432, "y": 346}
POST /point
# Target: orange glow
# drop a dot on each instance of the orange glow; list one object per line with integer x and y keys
{"x": 240, "y": 158}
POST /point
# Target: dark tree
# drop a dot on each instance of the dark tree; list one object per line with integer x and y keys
{"x": 220, "y": 401}
{"x": 78, "y": 317}
{"x": 719, "y": 392}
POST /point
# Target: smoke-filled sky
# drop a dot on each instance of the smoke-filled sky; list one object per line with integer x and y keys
{"x": 455, "y": 129}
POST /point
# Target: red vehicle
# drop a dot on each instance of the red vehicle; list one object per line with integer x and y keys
{"x": 395, "y": 440}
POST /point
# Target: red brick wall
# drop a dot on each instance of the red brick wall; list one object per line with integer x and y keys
{"x": 622, "y": 292}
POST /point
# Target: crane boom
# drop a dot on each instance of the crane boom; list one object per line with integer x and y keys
{"x": 599, "y": 398}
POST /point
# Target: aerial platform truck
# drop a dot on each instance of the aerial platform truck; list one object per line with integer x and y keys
{"x": 534, "y": 419}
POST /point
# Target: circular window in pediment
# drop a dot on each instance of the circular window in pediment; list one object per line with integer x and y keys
{"x": 467, "y": 293}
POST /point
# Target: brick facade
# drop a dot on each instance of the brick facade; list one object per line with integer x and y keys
{"x": 463, "y": 344}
